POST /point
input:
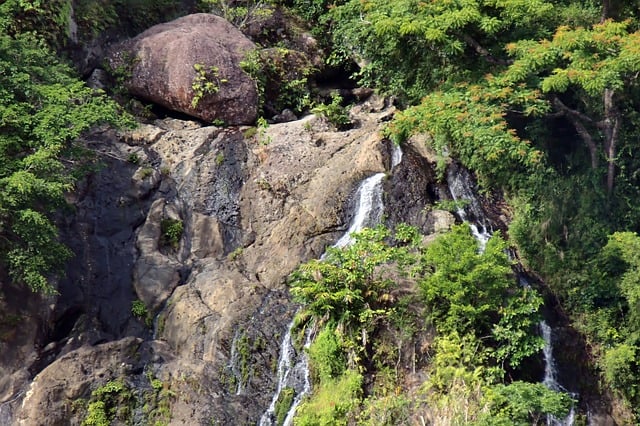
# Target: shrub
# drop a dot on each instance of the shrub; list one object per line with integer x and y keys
{"x": 334, "y": 112}
{"x": 171, "y": 232}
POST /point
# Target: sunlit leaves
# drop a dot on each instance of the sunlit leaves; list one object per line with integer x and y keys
{"x": 469, "y": 122}
{"x": 345, "y": 287}
{"x": 604, "y": 56}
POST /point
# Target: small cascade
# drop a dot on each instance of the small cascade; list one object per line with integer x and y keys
{"x": 368, "y": 210}
{"x": 461, "y": 188}
{"x": 293, "y": 367}
{"x": 550, "y": 376}
{"x": 396, "y": 156}
{"x": 293, "y": 374}
{"x": 303, "y": 367}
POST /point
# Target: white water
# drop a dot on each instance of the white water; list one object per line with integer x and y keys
{"x": 293, "y": 372}
{"x": 368, "y": 210}
{"x": 293, "y": 368}
{"x": 396, "y": 156}
{"x": 461, "y": 189}
{"x": 234, "y": 362}
{"x": 550, "y": 376}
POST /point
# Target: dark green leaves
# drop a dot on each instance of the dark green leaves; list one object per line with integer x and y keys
{"x": 44, "y": 108}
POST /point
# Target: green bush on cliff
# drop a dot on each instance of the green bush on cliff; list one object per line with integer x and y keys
{"x": 44, "y": 109}
{"x": 483, "y": 319}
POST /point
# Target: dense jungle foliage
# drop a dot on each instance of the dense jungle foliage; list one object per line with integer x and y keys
{"x": 538, "y": 97}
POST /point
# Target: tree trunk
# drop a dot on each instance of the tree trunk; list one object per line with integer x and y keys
{"x": 576, "y": 118}
{"x": 611, "y": 127}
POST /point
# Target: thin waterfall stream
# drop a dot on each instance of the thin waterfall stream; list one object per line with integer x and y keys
{"x": 293, "y": 366}
{"x": 550, "y": 376}
{"x": 469, "y": 210}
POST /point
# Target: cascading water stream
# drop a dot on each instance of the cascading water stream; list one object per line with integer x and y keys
{"x": 368, "y": 209}
{"x": 293, "y": 367}
{"x": 234, "y": 363}
{"x": 550, "y": 376}
{"x": 461, "y": 188}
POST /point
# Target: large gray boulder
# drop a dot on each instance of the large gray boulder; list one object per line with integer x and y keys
{"x": 172, "y": 63}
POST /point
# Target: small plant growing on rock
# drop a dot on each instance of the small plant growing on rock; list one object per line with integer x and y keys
{"x": 240, "y": 14}
{"x": 146, "y": 172}
{"x": 140, "y": 311}
{"x": 133, "y": 158}
{"x": 250, "y": 132}
{"x": 263, "y": 125}
{"x": 108, "y": 403}
{"x": 206, "y": 82}
{"x": 284, "y": 404}
{"x": 171, "y": 232}
{"x": 219, "y": 158}
{"x": 236, "y": 253}
{"x": 334, "y": 112}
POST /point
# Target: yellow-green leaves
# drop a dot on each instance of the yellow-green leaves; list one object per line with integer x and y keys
{"x": 605, "y": 56}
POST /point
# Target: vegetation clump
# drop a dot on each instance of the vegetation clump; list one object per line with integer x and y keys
{"x": 171, "y": 232}
{"x": 484, "y": 322}
{"x": 45, "y": 108}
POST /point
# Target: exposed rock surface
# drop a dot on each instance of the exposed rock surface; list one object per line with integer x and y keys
{"x": 171, "y": 63}
{"x": 253, "y": 205}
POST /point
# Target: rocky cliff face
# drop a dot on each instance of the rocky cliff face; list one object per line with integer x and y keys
{"x": 189, "y": 326}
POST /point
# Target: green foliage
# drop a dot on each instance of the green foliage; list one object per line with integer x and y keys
{"x": 109, "y": 402}
{"x": 626, "y": 246}
{"x": 139, "y": 309}
{"x": 347, "y": 288}
{"x": 284, "y": 404}
{"x": 484, "y": 319}
{"x": 157, "y": 401}
{"x": 332, "y": 402}
{"x": 619, "y": 368}
{"x": 171, "y": 232}
{"x": 410, "y": 47}
{"x": 473, "y": 291}
{"x": 262, "y": 125}
{"x": 326, "y": 355}
{"x": 522, "y": 404}
{"x": 385, "y": 410}
{"x": 334, "y": 112}
{"x": 240, "y": 14}
{"x": 468, "y": 122}
{"x": 206, "y": 82}
{"x": 47, "y": 20}
{"x": 281, "y": 77}
{"x": 44, "y": 108}
{"x": 130, "y": 16}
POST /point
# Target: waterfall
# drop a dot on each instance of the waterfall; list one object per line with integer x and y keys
{"x": 368, "y": 209}
{"x": 467, "y": 205}
{"x": 234, "y": 362}
{"x": 396, "y": 156}
{"x": 462, "y": 190}
{"x": 550, "y": 376}
{"x": 293, "y": 373}
{"x": 293, "y": 367}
